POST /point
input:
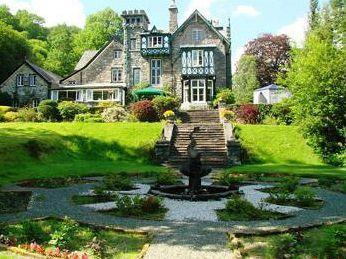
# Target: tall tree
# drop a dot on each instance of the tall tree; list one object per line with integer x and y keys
{"x": 272, "y": 54}
{"x": 39, "y": 51}
{"x": 7, "y": 17}
{"x": 313, "y": 15}
{"x": 32, "y": 24}
{"x": 61, "y": 58}
{"x": 245, "y": 79}
{"x": 317, "y": 80}
{"x": 99, "y": 29}
{"x": 13, "y": 49}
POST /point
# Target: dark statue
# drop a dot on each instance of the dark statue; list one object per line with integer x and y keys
{"x": 194, "y": 169}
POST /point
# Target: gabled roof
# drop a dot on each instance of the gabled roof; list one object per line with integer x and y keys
{"x": 86, "y": 57}
{"x": 46, "y": 75}
{"x": 92, "y": 58}
{"x": 269, "y": 87}
{"x": 207, "y": 22}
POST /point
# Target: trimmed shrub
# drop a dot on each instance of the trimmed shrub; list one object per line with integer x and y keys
{"x": 11, "y": 116}
{"x": 27, "y": 115}
{"x": 248, "y": 114}
{"x": 225, "y": 96}
{"x": 5, "y": 99}
{"x": 114, "y": 114}
{"x": 69, "y": 110}
{"x": 144, "y": 111}
{"x": 49, "y": 110}
{"x": 88, "y": 117}
{"x": 165, "y": 103}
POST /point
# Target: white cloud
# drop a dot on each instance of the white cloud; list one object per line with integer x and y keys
{"x": 296, "y": 30}
{"x": 247, "y": 10}
{"x": 54, "y": 12}
{"x": 236, "y": 56}
{"x": 204, "y": 6}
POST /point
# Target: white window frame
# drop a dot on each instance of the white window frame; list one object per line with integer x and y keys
{"x": 155, "y": 42}
{"x": 20, "y": 80}
{"x": 54, "y": 96}
{"x": 198, "y": 87}
{"x": 186, "y": 91}
{"x": 115, "y": 95}
{"x": 156, "y": 71}
{"x": 117, "y": 54}
{"x": 133, "y": 75}
{"x": 117, "y": 75}
{"x": 32, "y": 80}
{"x": 197, "y": 58}
{"x": 197, "y": 35}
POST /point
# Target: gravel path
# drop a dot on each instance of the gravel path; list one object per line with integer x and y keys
{"x": 180, "y": 238}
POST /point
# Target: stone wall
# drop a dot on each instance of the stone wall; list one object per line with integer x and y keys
{"x": 26, "y": 94}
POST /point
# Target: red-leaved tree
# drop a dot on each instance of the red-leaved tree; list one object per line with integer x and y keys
{"x": 272, "y": 53}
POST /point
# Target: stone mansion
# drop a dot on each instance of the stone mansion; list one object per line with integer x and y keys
{"x": 194, "y": 58}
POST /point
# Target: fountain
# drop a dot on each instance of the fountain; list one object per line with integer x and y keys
{"x": 194, "y": 170}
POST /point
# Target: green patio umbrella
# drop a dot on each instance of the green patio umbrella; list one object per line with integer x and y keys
{"x": 149, "y": 91}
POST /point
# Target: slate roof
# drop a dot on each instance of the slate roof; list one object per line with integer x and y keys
{"x": 269, "y": 87}
{"x": 86, "y": 57}
{"x": 50, "y": 77}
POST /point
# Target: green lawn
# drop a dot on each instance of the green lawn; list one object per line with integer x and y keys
{"x": 280, "y": 149}
{"x": 39, "y": 150}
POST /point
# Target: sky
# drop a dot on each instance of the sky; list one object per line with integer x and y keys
{"x": 249, "y": 18}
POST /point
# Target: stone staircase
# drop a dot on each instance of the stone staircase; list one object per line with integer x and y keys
{"x": 209, "y": 135}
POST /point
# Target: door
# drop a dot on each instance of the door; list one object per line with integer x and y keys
{"x": 198, "y": 93}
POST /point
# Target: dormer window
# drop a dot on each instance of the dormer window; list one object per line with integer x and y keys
{"x": 197, "y": 35}
{"x": 20, "y": 80}
{"x": 117, "y": 54}
{"x": 73, "y": 82}
{"x": 33, "y": 79}
{"x": 155, "y": 42}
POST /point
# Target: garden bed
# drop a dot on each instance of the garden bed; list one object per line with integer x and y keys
{"x": 158, "y": 215}
{"x": 13, "y": 202}
{"x": 91, "y": 199}
{"x": 53, "y": 183}
{"x": 66, "y": 238}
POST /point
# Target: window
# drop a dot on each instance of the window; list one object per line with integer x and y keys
{"x": 156, "y": 71}
{"x": 54, "y": 95}
{"x": 155, "y": 42}
{"x": 117, "y": 54}
{"x": 133, "y": 44}
{"x": 35, "y": 103}
{"x": 210, "y": 90}
{"x": 186, "y": 91}
{"x": 73, "y": 82}
{"x": 136, "y": 76}
{"x": 33, "y": 80}
{"x": 105, "y": 95}
{"x": 20, "y": 80}
{"x": 198, "y": 90}
{"x": 197, "y": 35}
{"x": 197, "y": 58}
{"x": 117, "y": 75}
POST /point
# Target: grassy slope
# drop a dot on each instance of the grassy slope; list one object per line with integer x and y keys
{"x": 75, "y": 149}
{"x": 280, "y": 149}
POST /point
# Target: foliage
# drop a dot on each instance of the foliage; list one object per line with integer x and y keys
{"x": 245, "y": 79}
{"x": 4, "y": 109}
{"x": 282, "y": 112}
{"x": 169, "y": 114}
{"x": 68, "y": 110}
{"x": 248, "y": 114}
{"x": 141, "y": 85}
{"x": 224, "y": 96}
{"x": 27, "y": 114}
{"x": 117, "y": 182}
{"x": 144, "y": 111}
{"x": 65, "y": 234}
{"x": 305, "y": 196}
{"x": 272, "y": 53}
{"x": 229, "y": 115}
{"x": 316, "y": 79}
{"x": 49, "y": 110}
{"x": 31, "y": 24}
{"x": 228, "y": 179}
{"x": 282, "y": 246}
{"x": 28, "y": 232}
{"x": 167, "y": 178}
{"x": 88, "y": 117}
{"x": 114, "y": 114}
{"x": 10, "y": 116}
{"x": 5, "y": 98}
{"x": 165, "y": 103}
{"x": 100, "y": 27}
{"x": 103, "y": 105}
{"x": 289, "y": 184}
{"x": 13, "y": 49}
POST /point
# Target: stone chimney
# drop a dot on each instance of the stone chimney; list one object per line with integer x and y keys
{"x": 173, "y": 17}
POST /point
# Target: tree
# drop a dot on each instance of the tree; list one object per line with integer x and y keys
{"x": 32, "y": 24}
{"x": 272, "y": 54}
{"x": 99, "y": 29}
{"x": 39, "y": 51}
{"x": 245, "y": 79}
{"x": 317, "y": 81}
{"x": 7, "y": 17}
{"x": 313, "y": 15}
{"x": 13, "y": 49}
{"x": 61, "y": 57}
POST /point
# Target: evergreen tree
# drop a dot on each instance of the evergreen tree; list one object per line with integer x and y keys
{"x": 313, "y": 15}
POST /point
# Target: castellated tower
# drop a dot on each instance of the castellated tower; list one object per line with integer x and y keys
{"x": 173, "y": 17}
